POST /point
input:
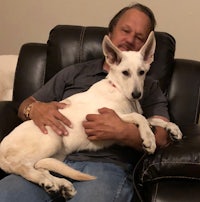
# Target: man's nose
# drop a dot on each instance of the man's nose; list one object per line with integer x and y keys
{"x": 130, "y": 40}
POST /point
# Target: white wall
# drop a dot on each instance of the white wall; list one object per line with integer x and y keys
{"x": 24, "y": 21}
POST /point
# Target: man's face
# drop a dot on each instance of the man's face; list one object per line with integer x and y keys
{"x": 131, "y": 31}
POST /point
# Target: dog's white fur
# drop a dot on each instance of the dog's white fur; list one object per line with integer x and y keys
{"x": 31, "y": 154}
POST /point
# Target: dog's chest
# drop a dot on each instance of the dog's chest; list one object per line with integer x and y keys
{"x": 99, "y": 95}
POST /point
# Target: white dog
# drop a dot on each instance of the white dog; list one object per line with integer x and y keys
{"x": 31, "y": 154}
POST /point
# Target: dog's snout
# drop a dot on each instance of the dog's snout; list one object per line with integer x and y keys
{"x": 136, "y": 94}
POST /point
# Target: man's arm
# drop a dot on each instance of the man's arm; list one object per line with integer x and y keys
{"x": 108, "y": 126}
{"x": 27, "y": 102}
{"x": 161, "y": 135}
{"x": 44, "y": 114}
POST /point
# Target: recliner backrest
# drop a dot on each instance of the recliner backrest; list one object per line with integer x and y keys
{"x": 69, "y": 44}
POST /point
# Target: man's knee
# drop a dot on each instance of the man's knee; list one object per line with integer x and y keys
{"x": 16, "y": 188}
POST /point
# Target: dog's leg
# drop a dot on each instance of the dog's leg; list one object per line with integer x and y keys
{"x": 57, "y": 185}
{"x": 146, "y": 133}
{"x": 42, "y": 177}
{"x": 172, "y": 128}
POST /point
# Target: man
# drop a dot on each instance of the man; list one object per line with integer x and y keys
{"x": 128, "y": 30}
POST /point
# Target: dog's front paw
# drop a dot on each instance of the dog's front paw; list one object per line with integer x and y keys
{"x": 175, "y": 132}
{"x": 149, "y": 143}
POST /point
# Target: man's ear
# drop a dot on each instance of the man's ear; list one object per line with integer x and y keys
{"x": 148, "y": 49}
{"x": 111, "y": 52}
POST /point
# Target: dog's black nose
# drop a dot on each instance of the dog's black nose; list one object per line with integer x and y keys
{"x": 136, "y": 94}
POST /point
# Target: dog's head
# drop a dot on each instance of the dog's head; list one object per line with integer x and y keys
{"x": 128, "y": 68}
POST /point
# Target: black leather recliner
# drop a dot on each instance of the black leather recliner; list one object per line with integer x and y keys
{"x": 171, "y": 174}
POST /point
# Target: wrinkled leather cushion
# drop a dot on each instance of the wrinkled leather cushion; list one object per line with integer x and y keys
{"x": 162, "y": 67}
{"x": 184, "y": 92}
{"x": 179, "y": 160}
{"x": 69, "y": 44}
{"x": 173, "y": 191}
{"x": 30, "y": 71}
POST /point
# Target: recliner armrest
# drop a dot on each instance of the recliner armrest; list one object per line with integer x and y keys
{"x": 178, "y": 161}
{"x": 8, "y": 117}
{"x": 184, "y": 92}
{"x": 8, "y": 121}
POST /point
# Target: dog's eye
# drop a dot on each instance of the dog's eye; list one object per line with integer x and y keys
{"x": 141, "y": 72}
{"x": 125, "y": 73}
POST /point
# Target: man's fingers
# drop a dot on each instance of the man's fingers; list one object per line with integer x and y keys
{"x": 41, "y": 127}
{"x": 59, "y": 131}
{"x": 48, "y": 114}
{"x": 58, "y": 127}
{"x": 60, "y": 105}
{"x": 64, "y": 120}
{"x": 92, "y": 117}
{"x": 92, "y": 138}
{"x": 105, "y": 110}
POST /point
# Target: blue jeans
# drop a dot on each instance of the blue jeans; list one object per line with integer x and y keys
{"x": 113, "y": 184}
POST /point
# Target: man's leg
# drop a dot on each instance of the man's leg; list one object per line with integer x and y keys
{"x": 14, "y": 188}
{"x": 113, "y": 184}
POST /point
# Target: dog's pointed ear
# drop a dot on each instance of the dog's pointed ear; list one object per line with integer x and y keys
{"x": 148, "y": 49}
{"x": 112, "y": 54}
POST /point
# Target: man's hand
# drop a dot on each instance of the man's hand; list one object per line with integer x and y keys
{"x": 107, "y": 125}
{"x": 161, "y": 135}
{"x": 47, "y": 114}
{"x": 103, "y": 126}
